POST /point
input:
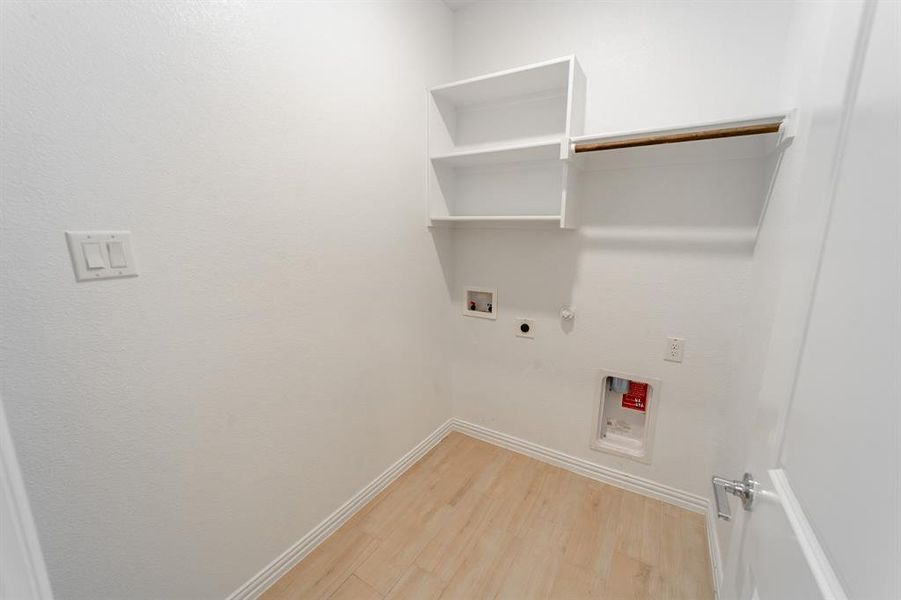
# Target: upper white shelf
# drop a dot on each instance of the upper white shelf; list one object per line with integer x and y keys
{"x": 748, "y": 137}
{"x": 540, "y": 78}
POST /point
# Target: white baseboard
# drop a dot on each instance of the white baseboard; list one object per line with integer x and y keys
{"x": 260, "y": 582}
{"x": 632, "y": 483}
{"x": 281, "y": 565}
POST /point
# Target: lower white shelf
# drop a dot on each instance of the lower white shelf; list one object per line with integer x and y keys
{"x": 500, "y": 154}
{"x": 553, "y": 219}
{"x": 508, "y": 185}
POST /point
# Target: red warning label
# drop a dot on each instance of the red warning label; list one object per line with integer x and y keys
{"x": 637, "y": 396}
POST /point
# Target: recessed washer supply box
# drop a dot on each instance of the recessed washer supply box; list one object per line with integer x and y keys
{"x": 480, "y": 302}
{"x": 625, "y": 412}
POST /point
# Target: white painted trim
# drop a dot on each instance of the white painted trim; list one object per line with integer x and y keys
{"x": 580, "y": 466}
{"x": 260, "y": 582}
{"x": 826, "y": 578}
{"x": 21, "y": 563}
{"x": 713, "y": 549}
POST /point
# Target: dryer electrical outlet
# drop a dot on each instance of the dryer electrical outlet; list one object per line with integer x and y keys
{"x": 525, "y": 328}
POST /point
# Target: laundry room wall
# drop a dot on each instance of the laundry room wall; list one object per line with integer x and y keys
{"x": 283, "y": 342}
{"x": 662, "y": 250}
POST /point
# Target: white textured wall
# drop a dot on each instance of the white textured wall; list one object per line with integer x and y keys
{"x": 281, "y": 345}
{"x": 684, "y": 274}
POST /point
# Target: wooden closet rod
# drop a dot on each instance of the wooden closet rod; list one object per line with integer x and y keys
{"x": 672, "y": 138}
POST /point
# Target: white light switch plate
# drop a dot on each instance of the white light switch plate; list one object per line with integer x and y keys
{"x": 102, "y": 249}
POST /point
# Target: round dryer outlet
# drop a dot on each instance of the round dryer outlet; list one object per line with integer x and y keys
{"x": 525, "y": 328}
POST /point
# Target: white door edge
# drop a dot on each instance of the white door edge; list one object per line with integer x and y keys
{"x": 822, "y": 570}
{"x": 21, "y": 561}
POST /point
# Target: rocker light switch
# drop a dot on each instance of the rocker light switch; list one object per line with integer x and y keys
{"x": 116, "y": 255}
{"x": 93, "y": 256}
{"x": 101, "y": 254}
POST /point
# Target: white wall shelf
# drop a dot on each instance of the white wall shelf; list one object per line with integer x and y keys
{"x": 498, "y": 220}
{"x": 498, "y": 146}
{"x": 517, "y": 83}
{"x": 507, "y": 150}
{"x": 651, "y": 182}
{"x": 499, "y": 154}
{"x": 742, "y": 138}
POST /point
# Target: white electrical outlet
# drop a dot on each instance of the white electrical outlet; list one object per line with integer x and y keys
{"x": 675, "y": 348}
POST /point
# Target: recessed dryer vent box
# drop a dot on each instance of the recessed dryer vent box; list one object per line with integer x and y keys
{"x": 624, "y": 416}
{"x": 480, "y": 302}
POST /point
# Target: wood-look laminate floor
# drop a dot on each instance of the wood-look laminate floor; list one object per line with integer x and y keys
{"x": 471, "y": 521}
